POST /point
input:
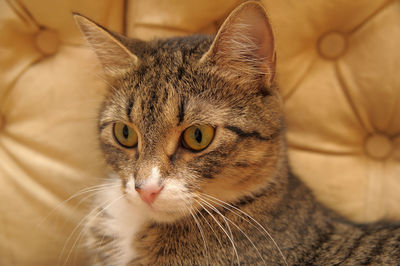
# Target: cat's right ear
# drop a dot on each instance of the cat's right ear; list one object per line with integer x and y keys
{"x": 115, "y": 57}
{"x": 244, "y": 47}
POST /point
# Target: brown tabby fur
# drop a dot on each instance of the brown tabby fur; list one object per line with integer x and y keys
{"x": 164, "y": 86}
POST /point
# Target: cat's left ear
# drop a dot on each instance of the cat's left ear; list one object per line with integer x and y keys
{"x": 115, "y": 57}
{"x": 244, "y": 47}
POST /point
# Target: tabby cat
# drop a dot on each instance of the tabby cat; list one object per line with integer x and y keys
{"x": 194, "y": 132}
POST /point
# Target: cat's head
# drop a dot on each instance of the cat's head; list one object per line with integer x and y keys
{"x": 193, "y": 116}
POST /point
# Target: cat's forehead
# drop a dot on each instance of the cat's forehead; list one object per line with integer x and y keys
{"x": 166, "y": 75}
{"x": 174, "y": 51}
{"x": 165, "y": 65}
{"x": 167, "y": 85}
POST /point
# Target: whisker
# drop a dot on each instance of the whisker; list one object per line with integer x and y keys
{"x": 77, "y": 194}
{"x": 202, "y": 235}
{"x": 80, "y": 202}
{"x": 219, "y": 213}
{"x": 223, "y": 229}
{"x": 198, "y": 224}
{"x": 188, "y": 206}
{"x": 212, "y": 229}
{"x": 103, "y": 208}
{"x": 72, "y": 233}
{"x": 216, "y": 200}
{"x": 237, "y": 227}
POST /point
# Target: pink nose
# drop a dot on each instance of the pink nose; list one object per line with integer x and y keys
{"x": 149, "y": 193}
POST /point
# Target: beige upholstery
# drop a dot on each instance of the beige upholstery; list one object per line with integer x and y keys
{"x": 339, "y": 70}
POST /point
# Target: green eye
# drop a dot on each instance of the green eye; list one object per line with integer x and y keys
{"x": 198, "y": 137}
{"x": 125, "y": 135}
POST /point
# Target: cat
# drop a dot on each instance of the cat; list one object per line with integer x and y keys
{"x": 194, "y": 131}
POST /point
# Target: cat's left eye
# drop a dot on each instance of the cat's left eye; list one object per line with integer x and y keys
{"x": 125, "y": 135}
{"x": 198, "y": 137}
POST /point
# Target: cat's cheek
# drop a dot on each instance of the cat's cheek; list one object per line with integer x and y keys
{"x": 120, "y": 161}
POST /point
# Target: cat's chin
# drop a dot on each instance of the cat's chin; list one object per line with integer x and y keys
{"x": 167, "y": 211}
{"x": 165, "y": 216}
{"x": 161, "y": 212}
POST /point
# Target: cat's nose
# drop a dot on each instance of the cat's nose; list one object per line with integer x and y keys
{"x": 149, "y": 193}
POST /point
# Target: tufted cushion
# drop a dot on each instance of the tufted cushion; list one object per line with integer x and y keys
{"x": 338, "y": 67}
{"x": 340, "y": 80}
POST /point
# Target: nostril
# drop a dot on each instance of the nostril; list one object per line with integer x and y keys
{"x": 149, "y": 193}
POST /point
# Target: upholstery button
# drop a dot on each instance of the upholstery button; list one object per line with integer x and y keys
{"x": 378, "y": 146}
{"x": 332, "y": 45}
{"x": 47, "y": 41}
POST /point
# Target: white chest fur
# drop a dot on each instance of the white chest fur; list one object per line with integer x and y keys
{"x": 123, "y": 220}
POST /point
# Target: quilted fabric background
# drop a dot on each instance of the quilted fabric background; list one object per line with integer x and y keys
{"x": 339, "y": 72}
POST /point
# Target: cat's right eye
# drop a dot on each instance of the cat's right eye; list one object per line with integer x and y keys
{"x": 125, "y": 135}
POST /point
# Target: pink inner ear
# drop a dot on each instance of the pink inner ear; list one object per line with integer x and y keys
{"x": 245, "y": 42}
{"x": 259, "y": 31}
{"x": 114, "y": 56}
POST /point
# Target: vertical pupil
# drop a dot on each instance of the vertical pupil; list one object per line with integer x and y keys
{"x": 198, "y": 135}
{"x": 125, "y": 131}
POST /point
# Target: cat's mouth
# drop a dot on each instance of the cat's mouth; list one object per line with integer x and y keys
{"x": 168, "y": 207}
{"x": 168, "y": 204}
{"x": 163, "y": 212}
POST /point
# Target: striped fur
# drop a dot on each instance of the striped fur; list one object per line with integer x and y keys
{"x": 235, "y": 202}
